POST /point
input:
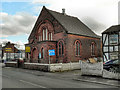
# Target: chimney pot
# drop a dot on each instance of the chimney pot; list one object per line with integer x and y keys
{"x": 63, "y": 11}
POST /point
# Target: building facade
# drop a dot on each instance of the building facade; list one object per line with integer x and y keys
{"x": 71, "y": 39}
{"x": 111, "y": 43}
{"x": 10, "y": 52}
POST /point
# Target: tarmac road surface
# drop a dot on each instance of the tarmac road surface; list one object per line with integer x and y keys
{"x": 23, "y": 78}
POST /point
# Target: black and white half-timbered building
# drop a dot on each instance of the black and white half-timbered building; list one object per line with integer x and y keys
{"x": 111, "y": 43}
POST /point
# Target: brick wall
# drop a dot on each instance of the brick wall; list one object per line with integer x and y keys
{"x": 35, "y": 66}
{"x": 59, "y": 34}
{"x": 46, "y": 45}
{"x": 85, "y": 47}
{"x": 11, "y": 64}
{"x": 43, "y": 17}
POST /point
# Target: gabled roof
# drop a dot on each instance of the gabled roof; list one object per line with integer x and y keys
{"x": 114, "y": 28}
{"x": 72, "y": 24}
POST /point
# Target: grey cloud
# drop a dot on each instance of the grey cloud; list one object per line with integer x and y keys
{"x": 96, "y": 26}
{"x": 21, "y": 23}
{"x": 26, "y": 19}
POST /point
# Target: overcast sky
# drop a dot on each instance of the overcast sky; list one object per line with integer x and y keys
{"x": 17, "y": 17}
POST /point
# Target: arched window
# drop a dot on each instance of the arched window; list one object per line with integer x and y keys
{"x": 93, "y": 49}
{"x": 61, "y": 48}
{"x": 50, "y": 36}
{"x": 35, "y": 53}
{"x": 39, "y": 37}
{"x": 42, "y": 53}
{"x": 46, "y": 38}
{"x": 45, "y": 34}
{"x": 77, "y": 48}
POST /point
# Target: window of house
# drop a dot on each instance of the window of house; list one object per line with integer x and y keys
{"x": 77, "y": 48}
{"x": 45, "y": 34}
{"x": 61, "y": 48}
{"x": 93, "y": 49}
{"x": 50, "y": 36}
{"x": 42, "y": 53}
{"x": 113, "y": 39}
{"x": 40, "y": 38}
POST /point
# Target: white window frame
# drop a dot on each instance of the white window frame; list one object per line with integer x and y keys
{"x": 46, "y": 35}
{"x": 43, "y": 34}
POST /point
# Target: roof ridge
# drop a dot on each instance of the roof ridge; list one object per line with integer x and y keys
{"x": 61, "y": 13}
{"x": 112, "y": 29}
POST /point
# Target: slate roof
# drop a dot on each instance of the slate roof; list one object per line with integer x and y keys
{"x": 114, "y": 28}
{"x": 72, "y": 24}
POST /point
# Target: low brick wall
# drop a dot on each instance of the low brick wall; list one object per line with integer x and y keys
{"x": 11, "y": 64}
{"x": 64, "y": 66}
{"x": 36, "y": 66}
{"x": 46, "y": 67}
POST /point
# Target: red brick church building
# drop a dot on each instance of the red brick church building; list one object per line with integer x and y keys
{"x": 71, "y": 39}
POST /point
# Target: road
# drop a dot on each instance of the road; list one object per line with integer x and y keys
{"x": 23, "y": 78}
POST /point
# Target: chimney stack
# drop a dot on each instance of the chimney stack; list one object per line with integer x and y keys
{"x": 63, "y": 11}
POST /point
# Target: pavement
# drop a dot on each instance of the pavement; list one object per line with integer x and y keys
{"x": 98, "y": 80}
{"x": 74, "y": 75}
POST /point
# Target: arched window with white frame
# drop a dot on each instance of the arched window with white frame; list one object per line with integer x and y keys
{"x": 45, "y": 34}
{"x": 39, "y": 37}
{"x": 50, "y": 35}
{"x": 60, "y": 48}
{"x": 77, "y": 48}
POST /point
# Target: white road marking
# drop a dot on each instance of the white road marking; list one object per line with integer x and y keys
{"x": 27, "y": 82}
{"x": 32, "y": 84}
{"x": 7, "y": 67}
{"x": 5, "y": 76}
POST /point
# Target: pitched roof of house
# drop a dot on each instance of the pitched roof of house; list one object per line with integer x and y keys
{"x": 73, "y": 24}
{"x": 112, "y": 29}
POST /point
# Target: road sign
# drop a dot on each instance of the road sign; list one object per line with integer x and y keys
{"x": 51, "y": 52}
{"x": 27, "y": 49}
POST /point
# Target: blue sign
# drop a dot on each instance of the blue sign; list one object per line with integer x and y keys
{"x": 51, "y": 52}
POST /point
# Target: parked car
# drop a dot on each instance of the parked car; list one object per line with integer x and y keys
{"x": 112, "y": 65}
